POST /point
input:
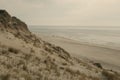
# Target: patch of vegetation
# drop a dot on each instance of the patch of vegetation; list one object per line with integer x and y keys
{"x": 17, "y": 34}
{"x": 72, "y": 72}
{"x": 48, "y": 50}
{"x": 1, "y": 29}
{"x": 32, "y": 50}
{"x": 4, "y": 52}
{"x": 4, "y": 77}
{"x": 111, "y": 75}
{"x": 13, "y": 50}
{"x": 64, "y": 64}
{"x": 98, "y": 65}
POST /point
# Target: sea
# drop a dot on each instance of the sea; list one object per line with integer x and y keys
{"x": 107, "y": 36}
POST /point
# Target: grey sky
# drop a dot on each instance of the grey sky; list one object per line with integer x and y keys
{"x": 65, "y": 12}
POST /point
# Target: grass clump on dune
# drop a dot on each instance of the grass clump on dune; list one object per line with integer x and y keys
{"x": 13, "y": 50}
{"x": 111, "y": 75}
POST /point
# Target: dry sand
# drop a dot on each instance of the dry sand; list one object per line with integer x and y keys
{"x": 109, "y": 58}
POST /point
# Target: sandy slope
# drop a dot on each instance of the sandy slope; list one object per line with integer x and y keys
{"x": 25, "y": 57}
{"x": 109, "y": 58}
{"x": 21, "y": 60}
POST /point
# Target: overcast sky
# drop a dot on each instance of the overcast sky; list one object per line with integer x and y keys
{"x": 65, "y": 12}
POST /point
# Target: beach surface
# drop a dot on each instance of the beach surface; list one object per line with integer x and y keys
{"x": 109, "y": 58}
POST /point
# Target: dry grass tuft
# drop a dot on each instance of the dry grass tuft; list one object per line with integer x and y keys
{"x": 4, "y": 52}
{"x": 13, "y": 50}
{"x": 111, "y": 75}
{"x": 4, "y": 77}
{"x": 32, "y": 50}
{"x": 98, "y": 65}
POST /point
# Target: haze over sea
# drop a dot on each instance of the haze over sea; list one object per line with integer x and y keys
{"x": 100, "y": 36}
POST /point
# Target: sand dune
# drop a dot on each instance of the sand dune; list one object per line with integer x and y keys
{"x": 25, "y": 56}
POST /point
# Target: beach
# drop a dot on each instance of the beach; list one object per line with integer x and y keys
{"x": 100, "y": 45}
{"x": 107, "y": 57}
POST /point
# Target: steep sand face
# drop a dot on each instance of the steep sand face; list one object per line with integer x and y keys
{"x": 24, "y": 56}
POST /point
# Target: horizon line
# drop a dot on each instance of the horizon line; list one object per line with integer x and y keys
{"x": 72, "y": 26}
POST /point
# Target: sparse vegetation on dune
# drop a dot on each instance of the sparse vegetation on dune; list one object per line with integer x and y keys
{"x": 30, "y": 58}
{"x": 110, "y": 75}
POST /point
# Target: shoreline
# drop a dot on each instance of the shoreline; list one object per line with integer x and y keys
{"x": 79, "y": 42}
{"x": 109, "y": 58}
